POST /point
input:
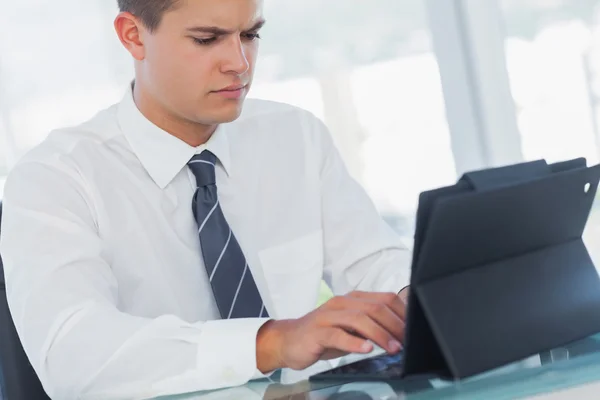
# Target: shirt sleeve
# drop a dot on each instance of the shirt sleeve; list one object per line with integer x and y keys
{"x": 362, "y": 252}
{"x": 64, "y": 299}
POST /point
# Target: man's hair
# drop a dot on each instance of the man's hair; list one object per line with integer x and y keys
{"x": 150, "y": 12}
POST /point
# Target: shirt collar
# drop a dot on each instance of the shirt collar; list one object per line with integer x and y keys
{"x": 162, "y": 154}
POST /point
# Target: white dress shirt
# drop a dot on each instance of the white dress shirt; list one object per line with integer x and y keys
{"x": 105, "y": 276}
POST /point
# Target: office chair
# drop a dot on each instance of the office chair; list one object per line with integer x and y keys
{"x": 20, "y": 380}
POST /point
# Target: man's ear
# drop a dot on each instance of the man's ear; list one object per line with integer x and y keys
{"x": 130, "y": 32}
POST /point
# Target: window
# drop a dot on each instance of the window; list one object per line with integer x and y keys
{"x": 368, "y": 70}
{"x": 553, "y": 57}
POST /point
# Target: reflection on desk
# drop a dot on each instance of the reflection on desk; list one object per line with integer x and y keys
{"x": 567, "y": 367}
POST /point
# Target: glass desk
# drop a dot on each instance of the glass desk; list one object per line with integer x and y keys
{"x": 570, "y": 367}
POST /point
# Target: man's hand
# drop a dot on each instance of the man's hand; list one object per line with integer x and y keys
{"x": 404, "y": 294}
{"x": 343, "y": 325}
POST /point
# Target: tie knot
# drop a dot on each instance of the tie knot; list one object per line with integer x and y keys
{"x": 203, "y": 167}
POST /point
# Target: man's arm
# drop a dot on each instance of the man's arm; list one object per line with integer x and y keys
{"x": 366, "y": 266}
{"x": 361, "y": 251}
{"x": 63, "y": 297}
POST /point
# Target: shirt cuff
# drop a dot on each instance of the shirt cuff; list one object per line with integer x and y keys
{"x": 227, "y": 351}
{"x": 259, "y": 375}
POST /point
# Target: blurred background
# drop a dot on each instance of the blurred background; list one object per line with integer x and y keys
{"x": 415, "y": 92}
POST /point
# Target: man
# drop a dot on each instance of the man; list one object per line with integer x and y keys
{"x": 174, "y": 243}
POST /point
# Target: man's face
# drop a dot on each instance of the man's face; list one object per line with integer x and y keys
{"x": 202, "y": 51}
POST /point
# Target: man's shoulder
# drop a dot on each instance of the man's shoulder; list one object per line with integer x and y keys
{"x": 64, "y": 154}
{"x": 72, "y": 140}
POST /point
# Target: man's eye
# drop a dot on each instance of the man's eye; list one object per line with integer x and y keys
{"x": 252, "y": 36}
{"x": 204, "y": 42}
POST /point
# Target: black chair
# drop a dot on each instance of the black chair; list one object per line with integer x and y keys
{"x": 20, "y": 380}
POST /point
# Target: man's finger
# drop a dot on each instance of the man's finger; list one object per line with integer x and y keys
{"x": 378, "y": 311}
{"x": 404, "y": 293}
{"x": 364, "y": 326}
{"x": 338, "y": 339}
{"x": 390, "y": 299}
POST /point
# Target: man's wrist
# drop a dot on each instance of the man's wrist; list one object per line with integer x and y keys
{"x": 268, "y": 346}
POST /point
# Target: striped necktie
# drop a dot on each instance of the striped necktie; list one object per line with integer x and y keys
{"x": 233, "y": 286}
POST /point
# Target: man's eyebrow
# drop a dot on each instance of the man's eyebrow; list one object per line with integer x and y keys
{"x": 215, "y": 30}
{"x": 258, "y": 25}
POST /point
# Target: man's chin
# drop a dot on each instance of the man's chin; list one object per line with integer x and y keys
{"x": 227, "y": 114}
{"x": 230, "y": 118}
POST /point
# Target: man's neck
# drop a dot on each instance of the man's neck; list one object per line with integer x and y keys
{"x": 191, "y": 133}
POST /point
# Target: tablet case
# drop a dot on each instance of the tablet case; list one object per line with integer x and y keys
{"x": 500, "y": 271}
